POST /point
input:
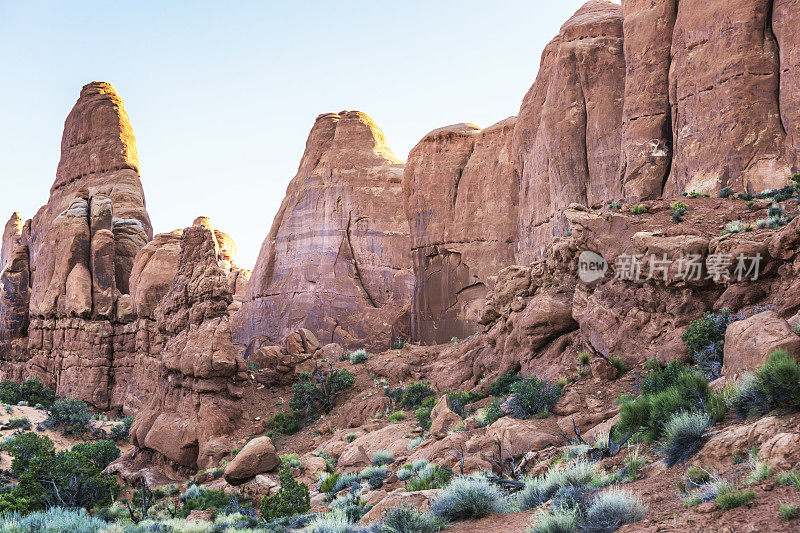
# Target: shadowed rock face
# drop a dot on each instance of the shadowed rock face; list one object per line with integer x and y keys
{"x": 336, "y": 260}
{"x": 461, "y": 192}
{"x": 569, "y": 148}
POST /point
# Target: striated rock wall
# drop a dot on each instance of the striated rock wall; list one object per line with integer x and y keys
{"x": 461, "y": 191}
{"x": 336, "y": 260}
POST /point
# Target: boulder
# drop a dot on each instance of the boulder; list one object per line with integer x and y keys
{"x": 749, "y": 342}
{"x": 443, "y": 418}
{"x": 722, "y": 445}
{"x": 518, "y": 437}
{"x": 418, "y": 500}
{"x": 782, "y": 451}
{"x": 256, "y": 457}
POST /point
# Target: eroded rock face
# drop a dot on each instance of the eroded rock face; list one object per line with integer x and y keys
{"x": 573, "y": 152}
{"x": 724, "y": 54}
{"x": 195, "y": 401}
{"x": 461, "y": 194}
{"x": 785, "y": 18}
{"x": 336, "y": 260}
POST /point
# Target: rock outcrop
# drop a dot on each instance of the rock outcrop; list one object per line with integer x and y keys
{"x": 336, "y": 260}
{"x": 460, "y": 192}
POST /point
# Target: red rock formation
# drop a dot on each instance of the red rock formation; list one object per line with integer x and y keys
{"x": 647, "y": 134}
{"x": 573, "y": 153}
{"x": 336, "y": 260}
{"x": 461, "y": 197}
{"x": 724, "y": 93}
{"x": 195, "y": 400}
{"x": 785, "y": 21}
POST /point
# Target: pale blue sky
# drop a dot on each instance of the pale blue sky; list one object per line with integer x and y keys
{"x": 222, "y": 94}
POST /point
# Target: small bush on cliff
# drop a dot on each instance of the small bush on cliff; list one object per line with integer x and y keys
{"x": 31, "y": 392}
{"x": 10, "y": 392}
{"x": 774, "y": 385}
{"x": 293, "y": 498}
{"x": 491, "y": 413}
{"x": 674, "y": 390}
{"x": 414, "y": 394}
{"x": 638, "y": 209}
{"x": 359, "y": 356}
{"x": 726, "y": 192}
{"x": 122, "y": 431}
{"x": 705, "y": 341}
{"x": 407, "y": 520}
{"x": 423, "y": 414}
{"x": 71, "y": 415}
{"x": 683, "y": 436}
{"x": 317, "y": 390}
{"x": 502, "y": 385}
{"x": 531, "y": 397}
{"x": 468, "y": 498}
{"x": 678, "y": 211}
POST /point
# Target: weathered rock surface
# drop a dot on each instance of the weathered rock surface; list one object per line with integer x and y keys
{"x": 336, "y": 260}
{"x": 749, "y": 342}
{"x": 256, "y": 457}
{"x": 461, "y": 192}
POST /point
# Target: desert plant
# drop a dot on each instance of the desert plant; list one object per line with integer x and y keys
{"x": 407, "y": 520}
{"x": 350, "y": 437}
{"x": 69, "y": 414}
{"x": 611, "y": 509}
{"x": 735, "y": 226}
{"x": 697, "y": 476}
{"x": 34, "y": 392}
{"x": 397, "y": 416}
{"x": 775, "y": 384}
{"x": 382, "y": 457}
{"x": 726, "y": 192}
{"x": 429, "y": 477}
{"x": 291, "y": 499}
{"x": 333, "y": 522}
{"x": 502, "y": 385}
{"x": 678, "y": 211}
{"x": 540, "y": 489}
{"x": 18, "y": 423}
{"x": 584, "y": 358}
{"x": 491, "y": 413}
{"x": 618, "y": 363}
{"x": 121, "y": 431}
{"x": 790, "y": 478}
{"x": 638, "y": 209}
{"x": 732, "y": 497}
{"x": 467, "y": 498}
{"x": 555, "y": 520}
{"x": 423, "y": 414}
{"x": 359, "y": 356}
{"x": 318, "y": 389}
{"x": 351, "y": 505}
{"x": 328, "y": 482}
{"x": 532, "y": 396}
{"x": 683, "y": 435}
{"x": 788, "y": 511}
{"x": 634, "y": 463}
{"x": 414, "y": 394}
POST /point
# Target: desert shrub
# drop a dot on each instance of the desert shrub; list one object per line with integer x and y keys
{"x": 351, "y": 505}
{"x": 532, "y": 396}
{"x": 726, "y": 192}
{"x": 358, "y": 356}
{"x": 343, "y": 481}
{"x": 286, "y": 423}
{"x": 638, "y": 209}
{"x": 200, "y": 498}
{"x": 458, "y": 401}
{"x": 53, "y": 520}
{"x": 697, "y": 476}
{"x": 70, "y": 478}
{"x": 69, "y": 414}
{"x": 673, "y": 390}
{"x": 555, "y": 520}
{"x": 775, "y": 384}
{"x": 122, "y": 431}
{"x": 397, "y": 416}
{"x": 292, "y": 498}
{"x": 705, "y": 341}
{"x": 10, "y": 392}
{"x": 541, "y": 489}
{"x": 634, "y": 463}
{"x": 429, "y": 477}
{"x": 423, "y": 414}
{"x": 375, "y": 481}
{"x": 678, "y": 211}
{"x": 414, "y": 443}
{"x": 407, "y": 520}
{"x": 467, "y": 498}
{"x": 619, "y": 363}
{"x": 293, "y": 460}
{"x": 34, "y": 392}
{"x": 790, "y": 478}
{"x": 414, "y": 394}
{"x": 502, "y": 385}
{"x": 18, "y": 423}
{"x": 734, "y": 226}
{"x": 327, "y": 483}
{"x": 772, "y": 222}
{"x": 382, "y": 457}
{"x": 350, "y": 437}
{"x": 317, "y": 390}
{"x": 759, "y": 472}
{"x": 731, "y": 497}
{"x": 683, "y": 435}
{"x": 333, "y": 522}
{"x": 788, "y": 511}
{"x": 611, "y": 509}
{"x": 491, "y": 413}
{"x": 584, "y": 358}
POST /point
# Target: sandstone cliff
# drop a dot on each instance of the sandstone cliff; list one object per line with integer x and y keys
{"x": 336, "y": 260}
